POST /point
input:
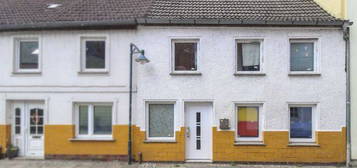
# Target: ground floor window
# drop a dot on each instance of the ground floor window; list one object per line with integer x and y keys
{"x": 94, "y": 119}
{"x": 248, "y": 122}
{"x": 161, "y": 120}
{"x": 301, "y": 123}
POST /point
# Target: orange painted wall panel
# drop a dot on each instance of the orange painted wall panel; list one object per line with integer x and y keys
{"x": 331, "y": 148}
{"x": 5, "y": 136}
{"x": 57, "y": 142}
{"x": 159, "y": 151}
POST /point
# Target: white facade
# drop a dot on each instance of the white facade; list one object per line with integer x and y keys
{"x": 60, "y": 83}
{"x": 276, "y": 89}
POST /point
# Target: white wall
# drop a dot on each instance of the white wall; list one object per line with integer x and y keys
{"x": 352, "y": 15}
{"x": 60, "y": 84}
{"x": 217, "y": 83}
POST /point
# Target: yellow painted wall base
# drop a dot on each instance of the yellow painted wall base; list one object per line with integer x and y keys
{"x": 57, "y": 142}
{"x": 5, "y": 135}
{"x": 155, "y": 151}
{"x": 331, "y": 148}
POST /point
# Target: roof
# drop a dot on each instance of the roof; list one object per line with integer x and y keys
{"x": 35, "y": 14}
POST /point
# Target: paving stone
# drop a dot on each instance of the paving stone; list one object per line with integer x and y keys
{"x": 117, "y": 164}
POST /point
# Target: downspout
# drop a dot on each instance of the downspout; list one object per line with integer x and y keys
{"x": 346, "y": 37}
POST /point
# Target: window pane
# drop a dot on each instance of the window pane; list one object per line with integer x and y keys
{"x": 102, "y": 120}
{"x": 29, "y": 52}
{"x": 95, "y": 54}
{"x": 83, "y": 120}
{"x": 185, "y": 56}
{"x": 248, "y": 121}
{"x": 300, "y": 122}
{"x": 249, "y": 56}
{"x": 302, "y": 57}
{"x": 161, "y": 120}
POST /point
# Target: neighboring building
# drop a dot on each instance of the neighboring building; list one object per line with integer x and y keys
{"x": 346, "y": 9}
{"x": 228, "y": 81}
{"x": 352, "y": 15}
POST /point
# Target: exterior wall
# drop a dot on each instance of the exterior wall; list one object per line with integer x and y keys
{"x": 337, "y": 8}
{"x": 276, "y": 89}
{"x": 4, "y": 137}
{"x": 330, "y": 149}
{"x": 352, "y": 15}
{"x": 59, "y": 145}
{"x": 159, "y": 151}
{"x": 60, "y": 85}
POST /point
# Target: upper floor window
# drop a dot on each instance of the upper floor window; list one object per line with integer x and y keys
{"x": 161, "y": 121}
{"x": 27, "y": 55}
{"x": 94, "y": 54}
{"x": 303, "y": 56}
{"x": 249, "y": 55}
{"x": 94, "y": 119}
{"x": 185, "y": 55}
{"x": 248, "y": 122}
{"x": 302, "y": 123}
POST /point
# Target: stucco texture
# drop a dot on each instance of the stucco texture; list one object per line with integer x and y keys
{"x": 58, "y": 142}
{"x": 159, "y": 151}
{"x": 5, "y": 134}
{"x": 331, "y": 148}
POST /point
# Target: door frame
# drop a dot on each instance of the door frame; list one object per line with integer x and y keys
{"x": 10, "y": 118}
{"x": 213, "y": 124}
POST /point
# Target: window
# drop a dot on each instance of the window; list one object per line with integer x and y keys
{"x": 248, "y": 123}
{"x": 303, "y": 56}
{"x": 161, "y": 121}
{"x": 185, "y": 55}
{"x": 17, "y": 121}
{"x": 27, "y": 55}
{"x": 249, "y": 55}
{"x": 94, "y": 119}
{"x": 301, "y": 123}
{"x": 94, "y": 54}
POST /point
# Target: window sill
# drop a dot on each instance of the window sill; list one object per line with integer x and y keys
{"x": 249, "y": 143}
{"x": 160, "y": 141}
{"x": 27, "y": 72}
{"x": 93, "y": 72}
{"x": 303, "y": 144}
{"x": 249, "y": 74}
{"x": 186, "y": 73}
{"x": 304, "y": 74}
{"x": 94, "y": 139}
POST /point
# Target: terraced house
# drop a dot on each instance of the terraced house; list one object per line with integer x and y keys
{"x": 227, "y": 81}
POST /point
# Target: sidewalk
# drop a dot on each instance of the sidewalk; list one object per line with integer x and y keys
{"x": 116, "y": 164}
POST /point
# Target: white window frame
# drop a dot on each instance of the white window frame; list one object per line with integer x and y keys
{"x": 17, "y": 41}
{"x": 261, "y": 58}
{"x": 316, "y": 43}
{"x": 184, "y": 40}
{"x": 313, "y": 122}
{"x": 91, "y": 120}
{"x": 260, "y": 122}
{"x": 83, "y": 40}
{"x": 147, "y": 103}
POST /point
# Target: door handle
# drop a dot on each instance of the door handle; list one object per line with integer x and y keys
{"x": 188, "y": 132}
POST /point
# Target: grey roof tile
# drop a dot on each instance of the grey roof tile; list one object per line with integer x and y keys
{"x": 32, "y": 13}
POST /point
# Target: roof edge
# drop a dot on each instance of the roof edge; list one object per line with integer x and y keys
{"x": 125, "y": 24}
{"x": 147, "y": 21}
{"x": 133, "y": 23}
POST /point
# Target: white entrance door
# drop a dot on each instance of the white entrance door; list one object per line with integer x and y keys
{"x": 28, "y": 128}
{"x": 198, "y": 121}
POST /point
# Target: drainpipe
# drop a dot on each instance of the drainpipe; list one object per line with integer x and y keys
{"x": 346, "y": 36}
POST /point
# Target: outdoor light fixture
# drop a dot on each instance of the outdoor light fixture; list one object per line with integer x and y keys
{"x": 142, "y": 60}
